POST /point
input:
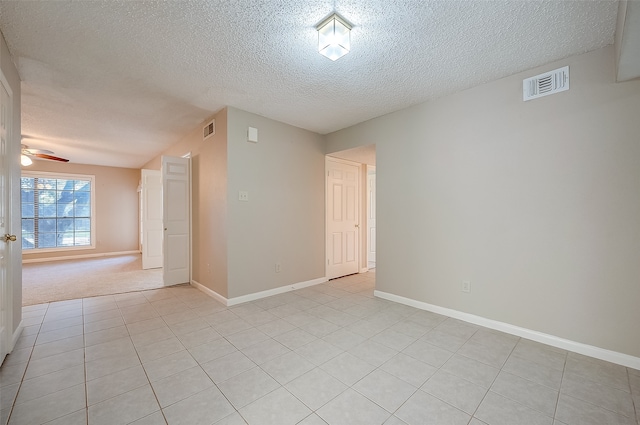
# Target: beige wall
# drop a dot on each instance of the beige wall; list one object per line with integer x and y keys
{"x": 209, "y": 204}
{"x": 237, "y": 244}
{"x": 210, "y": 210}
{"x": 283, "y": 222}
{"x": 536, "y": 203}
{"x": 15, "y": 268}
{"x": 116, "y": 209}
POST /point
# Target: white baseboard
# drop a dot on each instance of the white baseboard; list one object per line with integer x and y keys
{"x": 16, "y": 336}
{"x": 76, "y": 257}
{"x": 257, "y": 295}
{"x": 213, "y": 294}
{"x": 274, "y": 291}
{"x": 565, "y": 344}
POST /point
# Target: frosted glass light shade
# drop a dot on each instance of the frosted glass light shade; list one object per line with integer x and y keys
{"x": 334, "y": 37}
{"x": 25, "y": 161}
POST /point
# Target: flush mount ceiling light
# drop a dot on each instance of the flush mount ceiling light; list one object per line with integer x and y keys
{"x": 334, "y": 37}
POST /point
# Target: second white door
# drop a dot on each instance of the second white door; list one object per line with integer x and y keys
{"x": 151, "y": 222}
{"x": 343, "y": 197}
{"x": 176, "y": 199}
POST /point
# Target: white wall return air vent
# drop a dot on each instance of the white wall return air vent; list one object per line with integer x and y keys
{"x": 545, "y": 84}
{"x": 209, "y": 130}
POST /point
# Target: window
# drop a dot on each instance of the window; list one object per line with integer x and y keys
{"x": 57, "y": 211}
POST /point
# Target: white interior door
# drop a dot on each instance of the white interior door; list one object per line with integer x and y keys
{"x": 371, "y": 216}
{"x": 176, "y": 200}
{"x": 343, "y": 198}
{"x": 151, "y": 212}
{"x": 6, "y": 293}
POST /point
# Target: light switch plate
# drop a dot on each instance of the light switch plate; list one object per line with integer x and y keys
{"x": 252, "y": 135}
{"x": 243, "y": 195}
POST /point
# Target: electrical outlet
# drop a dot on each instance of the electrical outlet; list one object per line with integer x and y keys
{"x": 466, "y": 286}
{"x": 243, "y": 195}
{"x": 278, "y": 268}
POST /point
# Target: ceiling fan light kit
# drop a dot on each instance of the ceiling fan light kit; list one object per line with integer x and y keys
{"x": 27, "y": 154}
{"x": 25, "y": 161}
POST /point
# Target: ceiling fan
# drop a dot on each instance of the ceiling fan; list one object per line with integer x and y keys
{"x": 27, "y": 153}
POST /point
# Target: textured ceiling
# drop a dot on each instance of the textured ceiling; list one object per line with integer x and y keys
{"x": 123, "y": 80}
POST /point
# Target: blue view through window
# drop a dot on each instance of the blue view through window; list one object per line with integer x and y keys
{"x": 56, "y": 212}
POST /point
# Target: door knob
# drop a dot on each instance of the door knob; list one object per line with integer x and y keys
{"x": 9, "y": 237}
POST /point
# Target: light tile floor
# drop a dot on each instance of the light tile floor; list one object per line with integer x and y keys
{"x": 329, "y": 354}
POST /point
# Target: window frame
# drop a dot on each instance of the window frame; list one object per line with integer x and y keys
{"x": 63, "y": 176}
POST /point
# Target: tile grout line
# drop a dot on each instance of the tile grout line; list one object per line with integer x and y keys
{"x": 633, "y": 399}
{"x": 607, "y": 409}
{"x": 11, "y": 410}
{"x": 473, "y": 415}
{"x": 214, "y": 383}
{"x": 141, "y": 363}
{"x": 84, "y": 357}
{"x": 198, "y": 363}
{"x": 564, "y": 369}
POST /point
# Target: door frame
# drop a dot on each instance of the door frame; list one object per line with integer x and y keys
{"x": 370, "y": 170}
{"x": 326, "y": 208}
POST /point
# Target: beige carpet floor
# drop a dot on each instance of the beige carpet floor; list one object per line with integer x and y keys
{"x": 70, "y": 279}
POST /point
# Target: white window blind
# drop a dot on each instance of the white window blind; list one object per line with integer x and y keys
{"x": 57, "y": 211}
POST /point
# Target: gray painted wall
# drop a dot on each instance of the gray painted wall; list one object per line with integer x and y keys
{"x": 283, "y": 221}
{"x": 536, "y": 203}
{"x": 209, "y": 201}
{"x": 237, "y": 244}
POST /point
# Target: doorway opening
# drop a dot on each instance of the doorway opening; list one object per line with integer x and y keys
{"x": 351, "y": 211}
{"x": 60, "y": 280}
{"x": 165, "y": 219}
{"x": 48, "y": 280}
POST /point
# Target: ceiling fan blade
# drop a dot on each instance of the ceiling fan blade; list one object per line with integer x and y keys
{"x": 50, "y": 157}
{"x": 29, "y": 151}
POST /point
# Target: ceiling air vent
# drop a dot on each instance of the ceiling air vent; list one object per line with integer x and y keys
{"x": 546, "y": 84}
{"x": 209, "y": 130}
